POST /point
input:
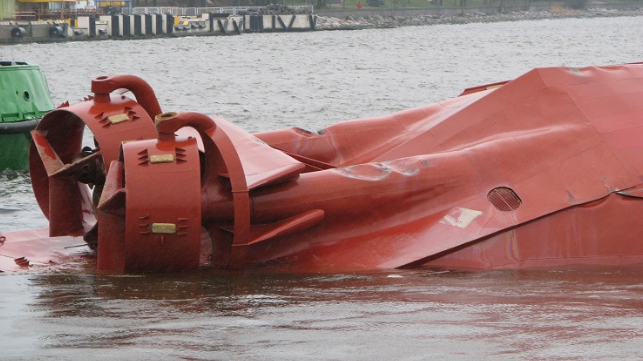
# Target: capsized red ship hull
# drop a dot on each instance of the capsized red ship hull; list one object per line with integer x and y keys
{"x": 541, "y": 171}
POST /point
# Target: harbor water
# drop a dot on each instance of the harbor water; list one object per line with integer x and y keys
{"x": 311, "y": 80}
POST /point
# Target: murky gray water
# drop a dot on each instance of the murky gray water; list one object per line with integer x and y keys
{"x": 311, "y": 80}
{"x": 409, "y": 315}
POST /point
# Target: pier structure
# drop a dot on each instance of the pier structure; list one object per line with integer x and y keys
{"x": 151, "y": 25}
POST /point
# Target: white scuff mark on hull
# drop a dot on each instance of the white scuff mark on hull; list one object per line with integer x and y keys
{"x": 460, "y": 217}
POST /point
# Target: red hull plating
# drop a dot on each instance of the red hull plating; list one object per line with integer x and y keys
{"x": 542, "y": 171}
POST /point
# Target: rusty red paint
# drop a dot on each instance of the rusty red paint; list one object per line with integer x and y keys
{"x": 541, "y": 171}
{"x": 41, "y": 142}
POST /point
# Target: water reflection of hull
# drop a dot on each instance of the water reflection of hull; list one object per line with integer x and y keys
{"x": 542, "y": 171}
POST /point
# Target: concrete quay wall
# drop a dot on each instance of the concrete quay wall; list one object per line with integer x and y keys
{"x": 34, "y": 31}
{"x": 150, "y": 25}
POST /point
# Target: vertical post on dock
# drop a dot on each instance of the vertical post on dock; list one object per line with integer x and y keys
{"x": 127, "y": 26}
{"x": 115, "y": 25}
{"x": 313, "y": 21}
{"x": 148, "y": 24}
{"x": 159, "y": 24}
{"x": 92, "y": 27}
{"x": 170, "y": 23}
{"x": 138, "y": 25}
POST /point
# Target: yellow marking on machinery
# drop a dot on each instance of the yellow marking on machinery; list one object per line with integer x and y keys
{"x": 162, "y": 158}
{"x": 163, "y": 228}
{"x": 120, "y": 118}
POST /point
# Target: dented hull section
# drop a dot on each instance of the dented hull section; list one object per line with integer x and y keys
{"x": 542, "y": 171}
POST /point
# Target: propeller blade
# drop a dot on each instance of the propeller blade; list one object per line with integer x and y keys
{"x": 48, "y": 155}
{"x": 65, "y": 208}
{"x": 72, "y": 169}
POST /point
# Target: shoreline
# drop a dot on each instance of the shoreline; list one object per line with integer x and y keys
{"x": 353, "y": 22}
{"x": 324, "y": 20}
